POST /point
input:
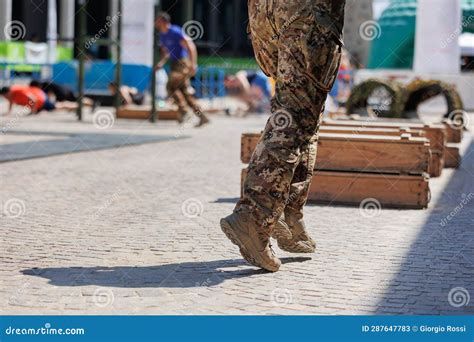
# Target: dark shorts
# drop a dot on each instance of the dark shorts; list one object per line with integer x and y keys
{"x": 48, "y": 106}
{"x": 138, "y": 99}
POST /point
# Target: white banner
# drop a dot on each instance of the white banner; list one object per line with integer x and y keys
{"x": 52, "y": 31}
{"x": 437, "y": 36}
{"x": 137, "y": 32}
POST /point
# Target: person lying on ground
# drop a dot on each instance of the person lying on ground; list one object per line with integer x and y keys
{"x": 60, "y": 93}
{"x": 253, "y": 88}
{"x": 32, "y": 99}
{"x": 128, "y": 95}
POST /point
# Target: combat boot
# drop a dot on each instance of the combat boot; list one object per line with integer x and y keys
{"x": 254, "y": 246}
{"x": 203, "y": 120}
{"x": 300, "y": 242}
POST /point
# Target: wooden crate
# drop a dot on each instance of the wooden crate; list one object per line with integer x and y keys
{"x": 436, "y": 133}
{"x": 144, "y": 112}
{"x": 351, "y": 188}
{"x": 362, "y": 153}
{"x": 452, "y": 156}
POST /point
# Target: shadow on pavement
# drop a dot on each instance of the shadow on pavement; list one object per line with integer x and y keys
{"x": 437, "y": 274}
{"x": 73, "y": 143}
{"x": 177, "y": 275}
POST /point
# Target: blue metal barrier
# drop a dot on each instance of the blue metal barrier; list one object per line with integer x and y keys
{"x": 98, "y": 75}
{"x": 209, "y": 82}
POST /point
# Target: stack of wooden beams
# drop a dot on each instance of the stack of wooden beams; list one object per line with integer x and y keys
{"x": 390, "y": 161}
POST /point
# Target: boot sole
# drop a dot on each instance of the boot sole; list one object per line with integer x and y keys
{"x": 229, "y": 232}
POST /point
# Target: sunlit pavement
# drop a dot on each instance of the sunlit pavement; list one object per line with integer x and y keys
{"x": 131, "y": 227}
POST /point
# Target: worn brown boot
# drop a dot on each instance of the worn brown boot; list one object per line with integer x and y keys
{"x": 254, "y": 247}
{"x": 300, "y": 241}
{"x": 203, "y": 120}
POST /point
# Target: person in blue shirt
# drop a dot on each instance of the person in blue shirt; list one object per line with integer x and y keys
{"x": 177, "y": 47}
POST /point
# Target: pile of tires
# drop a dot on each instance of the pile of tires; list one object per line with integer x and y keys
{"x": 399, "y": 101}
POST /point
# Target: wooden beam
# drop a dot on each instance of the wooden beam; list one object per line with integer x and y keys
{"x": 351, "y": 188}
{"x": 362, "y": 153}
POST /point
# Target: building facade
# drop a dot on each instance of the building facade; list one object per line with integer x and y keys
{"x": 224, "y": 23}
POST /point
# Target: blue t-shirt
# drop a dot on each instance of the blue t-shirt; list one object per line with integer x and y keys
{"x": 171, "y": 40}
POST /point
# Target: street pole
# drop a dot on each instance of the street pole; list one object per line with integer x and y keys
{"x": 82, "y": 56}
{"x": 118, "y": 66}
{"x": 156, "y": 37}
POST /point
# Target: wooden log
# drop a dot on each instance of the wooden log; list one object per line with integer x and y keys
{"x": 436, "y": 133}
{"x": 351, "y": 188}
{"x": 362, "y": 153}
{"x": 452, "y": 156}
{"x": 143, "y": 113}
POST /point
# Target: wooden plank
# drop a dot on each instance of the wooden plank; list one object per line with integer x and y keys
{"x": 452, "y": 156}
{"x": 372, "y": 131}
{"x": 436, "y": 133}
{"x": 362, "y": 153}
{"x": 436, "y": 163}
{"x": 350, "y": 188}
{"x": 144, "y": 112}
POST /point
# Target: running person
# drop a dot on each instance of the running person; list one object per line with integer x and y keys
{"x": 182, "y": 52}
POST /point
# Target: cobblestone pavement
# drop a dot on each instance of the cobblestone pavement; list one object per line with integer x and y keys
{"x": 134, "y": 230}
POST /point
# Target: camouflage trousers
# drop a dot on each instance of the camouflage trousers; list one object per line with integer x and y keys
{"x": 298, "y": 43}
{"x": 178, "y": 86}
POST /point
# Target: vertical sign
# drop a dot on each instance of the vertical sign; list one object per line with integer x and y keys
{"x": 438, "y": 26}
{"x": 137, "y": 32}
{"x": 52, "y": 31}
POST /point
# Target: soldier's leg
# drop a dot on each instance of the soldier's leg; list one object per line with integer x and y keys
{"x": 301, "y": 182}
{"x": 173, "y": 88}
{"x": 184, "y": 67}
{"x": 308, "y": 60}
{"x": 241, "y": 227}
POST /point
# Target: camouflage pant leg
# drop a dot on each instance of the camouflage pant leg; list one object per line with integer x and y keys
{"x": 303, "y": 58}
{"x": 301, "y": 182}
{"x": 178, "y": 85}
